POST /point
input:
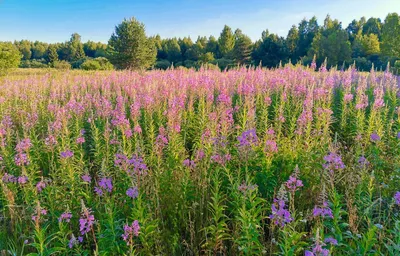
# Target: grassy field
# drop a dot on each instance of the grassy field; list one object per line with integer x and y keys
{"x": 289, "y": 161}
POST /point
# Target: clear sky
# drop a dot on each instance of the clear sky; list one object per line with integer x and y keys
{"x": 56, "y": 20}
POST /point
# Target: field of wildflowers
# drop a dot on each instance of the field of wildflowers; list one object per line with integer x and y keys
{"x": 289, "y": 161}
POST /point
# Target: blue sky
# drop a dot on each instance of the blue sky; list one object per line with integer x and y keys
{"x": 56, "y": 20}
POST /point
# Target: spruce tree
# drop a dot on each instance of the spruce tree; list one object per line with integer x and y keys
{"x": 226, "y": 42}
{"x": 130, "y": 47}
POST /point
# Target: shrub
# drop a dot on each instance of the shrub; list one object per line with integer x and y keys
{"x": 32, "y": 64}
{"x": 63, "y": 65}
{"x": 162, "y": 64}
{"x": 100, "y": 63}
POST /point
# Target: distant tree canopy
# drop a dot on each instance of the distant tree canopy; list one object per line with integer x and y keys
{"x": 10, "y": 57}
{"x": 130, "y": 48}
{"x": 365, "y": 42}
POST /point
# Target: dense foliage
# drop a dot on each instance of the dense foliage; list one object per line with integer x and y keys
{"x": 287, "y": 161}
{"x": 9, "y": 57}
{"x": 130, "y": 48}
{"x": 366, "y": 42}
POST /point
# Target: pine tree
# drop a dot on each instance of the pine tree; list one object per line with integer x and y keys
{"x": 75, "y": 48}
{"x": 242, "y": 48}
{"x": 52, "y": 54}
{"x": 130, "y": 47}
{"x": 226, "y": 42}
{"x": 292, "y": 41}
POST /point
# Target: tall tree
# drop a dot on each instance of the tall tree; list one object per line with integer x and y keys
{"x": 173, "y": 50}
{"x": 242, "y": 49}
{"x": 10, "y": 57}
{"x": 307, "y": 31}
{"x": 374, "y": 26}
{"x": 332, "y": 42}
{"x": 226, "y": 42}
{"x": 370, "y": 44}
{"x": 292, "y": 41}
{"x": 24, "y": 46}
{"x": 52, "y": 54}
{"x": 185, "y": 44}
{"x": 391, "y": 35}
{"x": 270, "y": 50}
{"x": 90, "y": 48}
{"x": 354, "y": 28}
{"x": 212, "y": 46}
{"x": 75, "y": 46}
{"x": 130, "y": 47}
{"x": 39, "y": 50}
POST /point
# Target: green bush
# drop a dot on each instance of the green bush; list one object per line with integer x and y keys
{"x": 162, "y": 64}
{"x": 64, "y": 65}
{"x": 78, "y": 63}
{"x": 223, "y": 63}
{"x": 32, "y": 64}
{"x": 100, "y": 63}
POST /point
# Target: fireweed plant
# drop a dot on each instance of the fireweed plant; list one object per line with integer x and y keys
{"x": 250, "y": 161}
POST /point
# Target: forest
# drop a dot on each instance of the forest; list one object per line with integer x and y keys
{"x": 365, "y": 42}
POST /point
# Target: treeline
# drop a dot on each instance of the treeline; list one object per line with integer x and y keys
{"x": 365, "y": 42}
{"x": 70, "y": 54}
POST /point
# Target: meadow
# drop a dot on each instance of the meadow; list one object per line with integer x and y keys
{"x": 251, "y": 161}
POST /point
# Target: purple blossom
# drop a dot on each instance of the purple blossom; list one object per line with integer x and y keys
{"x": 50, "y": 140}
{"x": 9, "y": 178}
{"x": 397, "y": 198}
{"x": 200, "y": 155}
{"x": 331, "y": 240}
{"x": 86, "y": 178}
{"x": 323, "y": 211}
{"x": 317, "y": 251}
{"x": 40, "y": 186}
{"x": 271, "y": 146}
{"x": 106, "y": 184}
{"x": 128, "y": 133}
{"x": 294, "y": 183}
{"x": 333, "y": 162}
{"x": 348, "y": 97}
{"x": 80, "y": 140}
{"x": 73, "y": 241}
{"x": 114, "y": 142}
{"x": 248, "y": 138}
{"x": 363, "y": 162}
{"x": 138, "y": 165}
{"x": 132, "y": 192}
{"x": 398, "y": 135}
{"x": 375, "y": 137}
{"x": 23, "y": 146}
{"x": 131, "y": 231}
{"x": 221, "y": 159}
{"x": 189, "y": 163}
{"x": 280, "y": 216}
{"x": 86, "y": 221}
{"x": 161, "y": 139}
{"x": 98, "y": 191}
{"x": 67, "y": 154}
{"x": 22, "y": 179}
{"x": 21, "y": 159}
{"x": 137, "y": 129}
{"x": 65, "y": 216}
